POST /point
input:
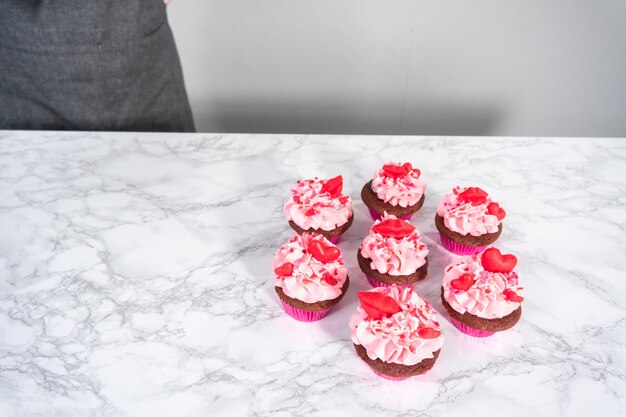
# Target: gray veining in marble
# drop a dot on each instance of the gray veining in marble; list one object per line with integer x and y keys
{"x": 135, "y": 278}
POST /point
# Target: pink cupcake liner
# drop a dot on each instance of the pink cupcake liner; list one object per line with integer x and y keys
{"x": 391, "y": 378}
{"x": 469, "y": 330}
{"x": 303, "y": 315}
{"x": 458, "y": 248}
{"x": 376, "y": 283}
{"x": 377, "y": 216}
{"x": 335, "y": 239}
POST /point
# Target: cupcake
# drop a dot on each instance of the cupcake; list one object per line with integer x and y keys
{"x": 393, "y": 253}
{"x": 310, "y": 276}
{"x": 318, "y": 206}
{"x": 395, "y": 189}
{"x": 482, "y": 294}
{"x": 395, "y": 332}
{"x": 468, "y": 220}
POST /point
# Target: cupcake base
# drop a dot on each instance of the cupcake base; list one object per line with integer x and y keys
{"x": 303, "y": 315}
{"x": 309, "y": 312}
{"x": 468, "y": 330}
{"x": 458, "y": 248}
{"x": 464, "y": 244}
{"x": 389, "y": 377}
{"x": 377, "y": 206}
{"x": 333, "y": 235}
{"x": 378, "y": 216}
{"x": 396, "y": 371}
{"x": 378, "y": 279}
{"x": 375, "y": 283}
{"x": 478, "y": 326}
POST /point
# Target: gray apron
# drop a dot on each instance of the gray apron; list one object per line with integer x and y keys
{"x": 90, "y": 65}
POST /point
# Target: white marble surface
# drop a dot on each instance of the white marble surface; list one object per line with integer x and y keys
{"x": 135, "y": 278}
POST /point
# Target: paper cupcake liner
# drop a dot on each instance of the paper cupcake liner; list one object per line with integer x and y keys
{"x": 303, "y": 315}
{"x": 376, "y": 283}
{"x": 458, "y": 248}
{"x": 469, "y": 330}
{"x": 335, "y": 239}
{"x": 377, "y": 216}
{"x": 389, "y": 377}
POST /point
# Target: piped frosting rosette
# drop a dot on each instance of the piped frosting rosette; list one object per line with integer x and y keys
{"x": 318, "y": 204}
{"x": 398, "y": 184}
{"x": 484, "y": 285}
{"x": 309, "y": 268}
{"x": 394, "y": 247}
{"x": 395, "y": 325}
{"x": 470, "y": 210}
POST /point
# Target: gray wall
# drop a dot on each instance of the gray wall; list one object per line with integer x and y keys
{"x": 458, "y": 67}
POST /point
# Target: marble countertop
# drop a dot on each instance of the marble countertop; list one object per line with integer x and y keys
{"x": 135, "y": 278}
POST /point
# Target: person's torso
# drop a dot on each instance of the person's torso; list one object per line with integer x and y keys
{"x": 78, "y": 22}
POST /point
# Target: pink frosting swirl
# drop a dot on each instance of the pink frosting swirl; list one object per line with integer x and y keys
{"x": 394, "y": 256}
{"x": 487, "y": 297}
{"x": 396, "y": 339}
{"x": 311, "y": 280}
{"x": 464, "y": 217}
{"x": 400, "y": 191}
{"x": 309, "y": 207}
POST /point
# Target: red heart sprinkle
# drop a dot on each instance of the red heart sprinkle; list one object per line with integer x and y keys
{"x": 511, "y": 295}
{"x": 378, "y": 305}
{"x": 463, "y": 282}
{"x": 428, "y": 333}
{"x": 296, "y": 199}
{"x": 474, "y": 195}
{"x": 329, "y": 279}
{"x": 333, "y": 186}
{"x": 496, "y": 210}
{"x": 395, "y": 171}
{"x": 310, "y": 212}
{"x": 285, "y": 270}
{"x": 417, "y": 172}
{"x": 407, "y": 166}
{"x": 343, "y": 199}
{"x": 395, "y": 228}
{"x": 322, "y": 252}
{"x": 493, "y": 261}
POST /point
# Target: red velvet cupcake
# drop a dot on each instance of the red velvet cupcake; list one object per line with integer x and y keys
{"x": 395, "y": 189}
{"x": 393, "y": 253}
{"x": 318, "y": 206}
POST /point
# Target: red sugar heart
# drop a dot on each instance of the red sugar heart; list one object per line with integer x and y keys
{"x": 474, "y": 195}
{"x": 428, "y": 333}
{"x": 322, "y": 252}
{"x": 496, "y": 210}
{"x": 395, "y": 228}
{"x": 417, "y": 172}
{"x": 494, "y": 261}
{"x": 378, "y": 305}
{"x": 285, "y": 270}
{"x": 329, "y": 279}
{"x": 463, "y": 282}
{"x": 333, "y": 186}
{"x": 395, "y": 171}
{"x": 310, "y": 212}
{"x": 511, "y": 295}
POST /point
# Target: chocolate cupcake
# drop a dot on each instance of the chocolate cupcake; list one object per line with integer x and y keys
{"x": 393, "y": 253}
{"x": 395, "y": 189}
{"x": 318, "y": 206}
{"x": 395, "y": 332}
{"x": 468, "y": 220}
{"x": 310, "y": 276}
{"x": 482, "y": 294}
